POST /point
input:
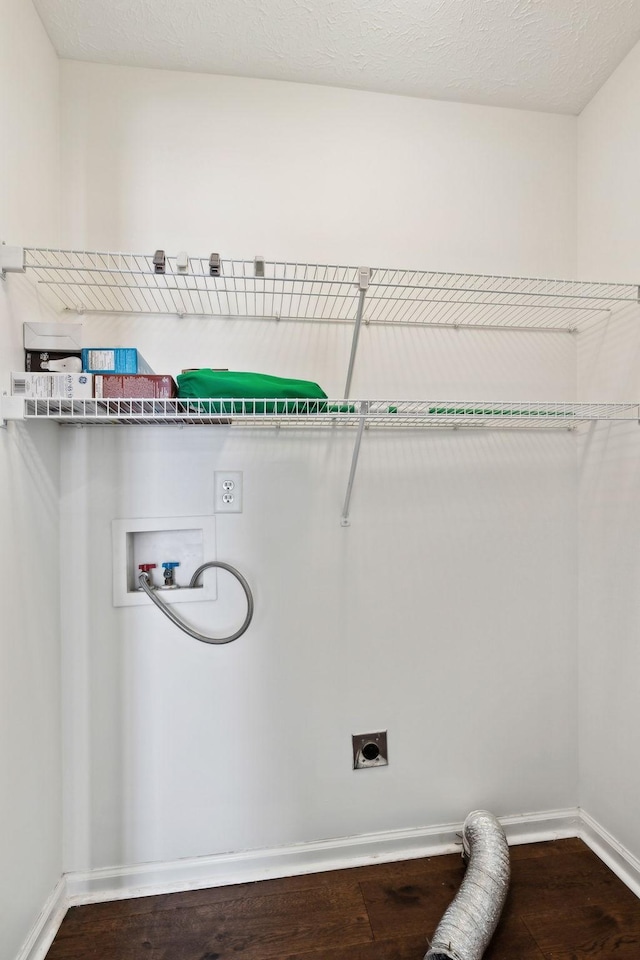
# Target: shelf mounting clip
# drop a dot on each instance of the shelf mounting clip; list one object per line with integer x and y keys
{"x": 11, "y": 408}
{"x": 11, "y": 260}
{"x": 159, "y": 262}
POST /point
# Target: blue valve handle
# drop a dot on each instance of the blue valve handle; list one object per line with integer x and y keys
{"x": 170, "y": 566}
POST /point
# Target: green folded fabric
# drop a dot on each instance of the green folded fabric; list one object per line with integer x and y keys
{"x": 229, "y": 385}
{"x": 251, "y": 407}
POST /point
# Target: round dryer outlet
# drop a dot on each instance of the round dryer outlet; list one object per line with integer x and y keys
{"x": 370, "y": 750}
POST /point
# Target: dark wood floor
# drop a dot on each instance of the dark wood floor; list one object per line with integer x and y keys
{"x": 563, "y": 904}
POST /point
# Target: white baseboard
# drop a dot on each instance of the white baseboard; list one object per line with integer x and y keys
{"x": 191, "y": 874}
{"x": 620, "y": 860}
{"x": 542, "y": 827}
{"x": 147, "y": 879}
{"x": 47, "y": 925}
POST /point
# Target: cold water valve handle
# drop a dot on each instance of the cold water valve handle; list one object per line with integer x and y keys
{"x": 169, "y": 575}
{"x": 145, "y": 585}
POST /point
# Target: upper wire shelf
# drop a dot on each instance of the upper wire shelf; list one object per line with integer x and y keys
{"x": 392, "y": 414}
{"x": 128, "y": 283}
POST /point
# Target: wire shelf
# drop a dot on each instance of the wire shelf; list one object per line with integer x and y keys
{"x": 390, "y": 414}
{"x": 127, "y": 283}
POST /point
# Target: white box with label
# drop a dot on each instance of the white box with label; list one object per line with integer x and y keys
{"x": 52, "y": 336}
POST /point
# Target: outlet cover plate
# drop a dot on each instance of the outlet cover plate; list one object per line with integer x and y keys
{"x": 370, "y": 750}
{"x": 227, "y": 496}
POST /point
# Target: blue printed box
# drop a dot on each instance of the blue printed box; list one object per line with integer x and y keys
{"x": 113, "y": 360}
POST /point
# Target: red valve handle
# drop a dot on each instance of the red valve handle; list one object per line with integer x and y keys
{"x": 145, "y": 567}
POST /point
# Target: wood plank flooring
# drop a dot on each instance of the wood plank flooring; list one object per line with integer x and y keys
{"x": 564, "y": 904}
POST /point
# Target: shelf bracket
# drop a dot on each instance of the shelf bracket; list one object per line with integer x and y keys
{"x": 364, "y": 409}
{"x": 11, "y": 408}
{"x": 11, "y": 260}
{"x": 364, "y": 277}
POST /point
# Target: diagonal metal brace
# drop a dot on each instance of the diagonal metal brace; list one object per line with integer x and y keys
{"x": 364, "y": 277}
{"x": 364, "y": 409}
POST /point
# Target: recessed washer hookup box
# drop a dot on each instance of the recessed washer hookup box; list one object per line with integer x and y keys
{"x": 114, "y": 360}
{"x": 119, "y": 386}
{"x": 66, "y": 386}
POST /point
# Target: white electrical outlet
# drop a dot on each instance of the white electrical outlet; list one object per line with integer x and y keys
{"x": 227, "y": 487}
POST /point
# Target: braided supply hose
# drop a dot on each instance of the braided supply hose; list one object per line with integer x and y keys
{"x": 145, "y": 584}
{"x": 471, "y": 918}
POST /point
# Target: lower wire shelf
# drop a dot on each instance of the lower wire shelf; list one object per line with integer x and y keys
{"x": 390, "y": 414}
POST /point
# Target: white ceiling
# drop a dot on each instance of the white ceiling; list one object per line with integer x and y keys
{"x": 536, "y": 54}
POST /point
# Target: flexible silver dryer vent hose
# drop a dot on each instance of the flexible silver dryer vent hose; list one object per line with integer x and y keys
{"x": 469, "y": 921}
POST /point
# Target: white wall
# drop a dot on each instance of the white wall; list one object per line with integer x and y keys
{"x": 30, "y": 152}
{"x": 452, "y": 597}
{"x": 608, "y": 149}
{"x": 446, "y": 612}
{"x": 609, "y": 248}
{"x": 30, "y": 794}
{"x": 158, "y": 158}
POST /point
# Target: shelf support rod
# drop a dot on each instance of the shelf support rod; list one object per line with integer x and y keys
{"x": 364, "y": 276}
{"x": 364, "y": 409}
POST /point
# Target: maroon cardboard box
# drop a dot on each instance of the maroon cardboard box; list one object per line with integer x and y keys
{"x": 118, "y": 386}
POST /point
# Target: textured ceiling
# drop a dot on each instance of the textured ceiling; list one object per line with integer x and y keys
{"x": 537, "y": 54}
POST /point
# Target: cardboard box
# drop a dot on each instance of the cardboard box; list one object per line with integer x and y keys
{"x": 55, "y": 385}
{"x": 52, "y": 336}
{"x": 127, "y": 385}
{"x": 33, "y": 359}
{"x": 113, "y": 360}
